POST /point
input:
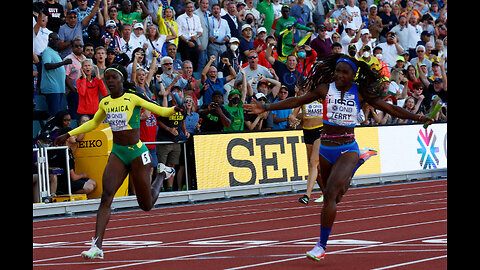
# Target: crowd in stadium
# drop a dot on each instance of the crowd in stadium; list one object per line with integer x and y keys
{"x": 217, "y": 55}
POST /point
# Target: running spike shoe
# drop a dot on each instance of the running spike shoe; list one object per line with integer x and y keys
{"x": 94, "y": 252}
{"x": 169, "y": 171}
{"x": 304, "y": 199}
{"x": 316, "y": 254}
{"x": 366, "y": 153}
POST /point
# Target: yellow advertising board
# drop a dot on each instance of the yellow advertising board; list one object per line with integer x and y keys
{"x": 368, "y": 137}
{"x": 237, "y": 159}
{"x": 92, "y": 155}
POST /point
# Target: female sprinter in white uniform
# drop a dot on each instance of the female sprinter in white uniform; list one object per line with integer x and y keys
{"x": 344, "y": 84}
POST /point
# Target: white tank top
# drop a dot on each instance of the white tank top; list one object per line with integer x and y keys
{"x": 342, "y": 112}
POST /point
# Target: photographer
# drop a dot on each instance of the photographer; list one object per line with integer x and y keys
{"x": 215, "y": 116}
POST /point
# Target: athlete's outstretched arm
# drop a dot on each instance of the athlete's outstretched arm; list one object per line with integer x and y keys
{"x": 397, "y": 111}
{"x": 88, "y": 126}
{"x": 155, "y": 107}
{"x": 291, "y": 102}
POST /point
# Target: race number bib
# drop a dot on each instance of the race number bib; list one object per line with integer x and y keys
{"x": 117, "y": 121}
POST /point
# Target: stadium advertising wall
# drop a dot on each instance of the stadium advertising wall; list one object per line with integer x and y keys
{"x": 237, "y": 159}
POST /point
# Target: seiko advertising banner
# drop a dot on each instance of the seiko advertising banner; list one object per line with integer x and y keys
{"x": 237, "y": 159}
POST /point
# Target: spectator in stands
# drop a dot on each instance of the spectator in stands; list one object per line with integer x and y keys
{"x": 88, "y": 50}
{"x": 170, "y": 129}
{"x": 305, "y": 58}
{"x": 322, "y": 44}
{"x": 337, "y": 48}
{"x": 257, "y": 121}
{"x": 53, "y": 75}
{"x": 414, "y": 32}
{"x": 155, "y": 40}
{"x": 168, "y": 16}
{"x": 281, "y": 117}
{"x": 43, "y": 140}
{"x": 89, "y": 87}
{"x": 127, "y": 16}
{"x": 172, "y": 52}
{"x": 73, "y": 72}
{"x": 246, "y": 42}
{"x": 391, "y": 49}
{"x": 215, "y": 116}
{"x": 111, "y": 36}
{"x": 411, "y": 107}
{"x": 375, "y": 25}
{"x": 235, "y": 101}
{"x": 171, "y": 77}
{"x": 73, "y": 29}
{"x": 189, "y": 30}
{"x": 56, "y": 15}
{"x": 137, "y": 37}
{"x": 112, "y": 14}
{"x": 260, "y": 40}
{"x": 384, "y": 68}
{"x": 287, "y": 73}
{"x": 80, "y": 183}
{"x": 192, "y": 118}
{"x": 389, "y": 20}
{"x": 218, "y": 34}
{"x": 83, "y": 11}
{"x": 41, "y": 32}
{"x": 233, "y": 20}
{"x": 215, "y": 84}
{"x": 254, "y": 70}
{"x": 141, "y": 61}
{"x": 142, "y": 78}
{"x": 286, "y": 39}
{"x": 265, "y": 8}
{"x": 421, "y": 59}
{"x": 202, "y": 41}
{"x": 193, "y": 86}
{"x": 352, "y": 36}
{"x": 233, "y": 55}
{"x": 127, "y": 45}
{"x": 437, "y": 86}
{"x": 262, "y": 59}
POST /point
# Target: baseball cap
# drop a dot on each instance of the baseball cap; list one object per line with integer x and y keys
{"x": 261, "y": 29}
{"x": 110, "y": 23}
{"x": 233, "y": 92}
{"x": 234, "y": 39}
{"x": 245, "y": 26}
{"x": 259, "y": 95}
{"x": 138, "y": 25}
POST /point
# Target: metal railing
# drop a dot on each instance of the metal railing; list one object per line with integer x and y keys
{"x": 44, "y": 171}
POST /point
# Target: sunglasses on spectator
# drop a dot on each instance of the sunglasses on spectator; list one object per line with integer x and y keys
{"x": 252, "y": 57}
{"x": 283, "y": 92}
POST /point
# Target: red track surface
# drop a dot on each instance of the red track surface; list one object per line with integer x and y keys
{"x": 404, "y": 226}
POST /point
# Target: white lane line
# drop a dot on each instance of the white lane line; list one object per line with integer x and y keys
{"x": 411, "y": 262}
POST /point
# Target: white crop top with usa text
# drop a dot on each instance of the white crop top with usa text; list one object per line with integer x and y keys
{"x": 344, "y": 112}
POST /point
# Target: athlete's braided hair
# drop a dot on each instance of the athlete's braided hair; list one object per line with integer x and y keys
{"x": 323, "y": 72}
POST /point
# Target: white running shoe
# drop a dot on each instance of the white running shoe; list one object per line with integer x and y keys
{"x": 169, "y": 171}
{"x": 94, "y": 252}
{"x": 317, "y": 253}
{"x": 319, "y": 200}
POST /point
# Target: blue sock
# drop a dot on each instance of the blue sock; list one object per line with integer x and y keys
{"x": 324, "y": 233}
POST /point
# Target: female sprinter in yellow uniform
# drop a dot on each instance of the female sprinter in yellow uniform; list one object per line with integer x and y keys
{"x": 121, "y": 109}
{"x": 312, "y": 114}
